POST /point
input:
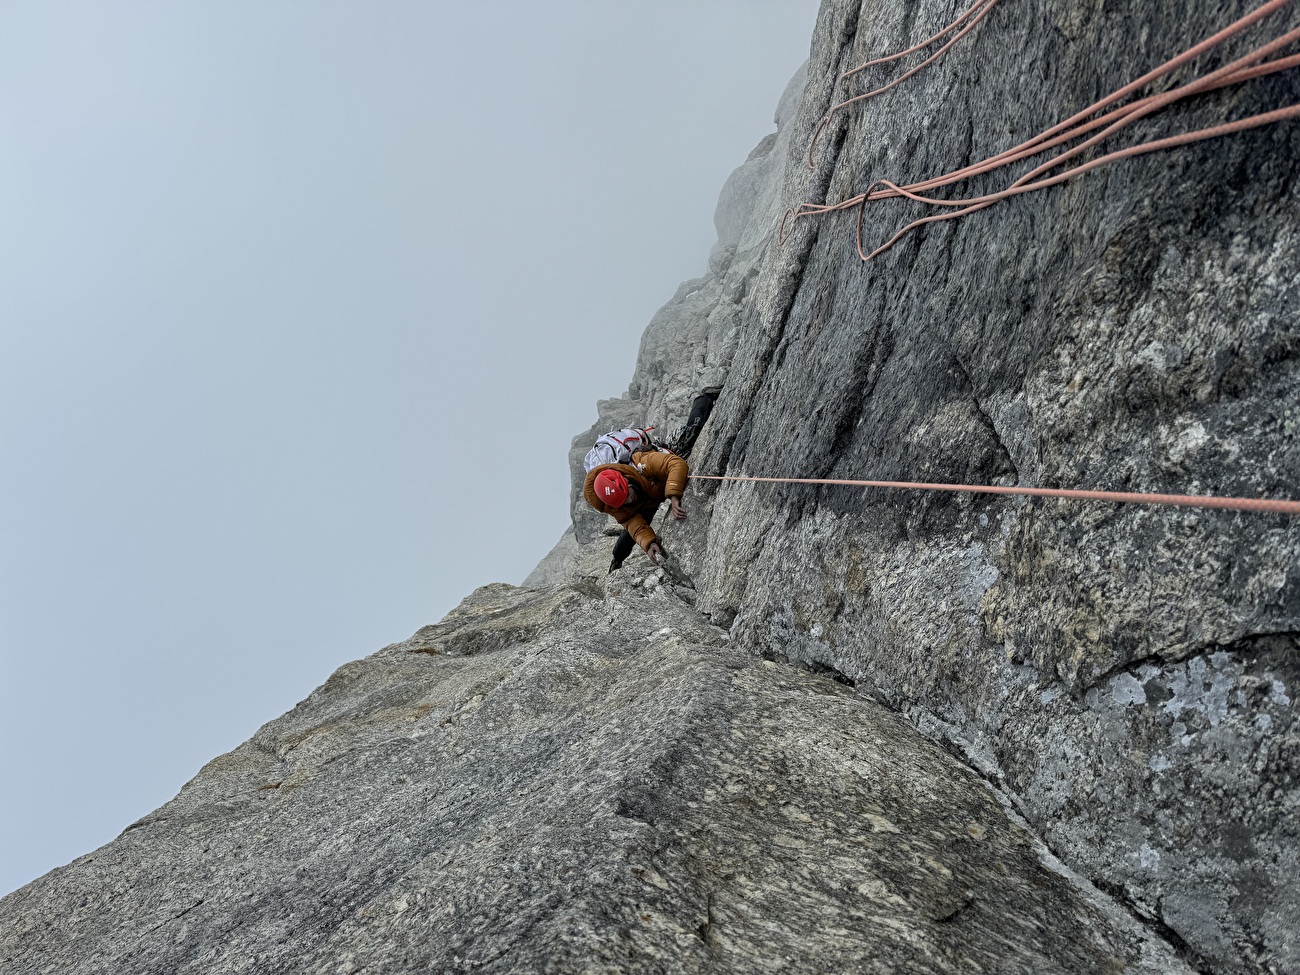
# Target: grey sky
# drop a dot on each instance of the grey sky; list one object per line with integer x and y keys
{"x": 300, "y": 305}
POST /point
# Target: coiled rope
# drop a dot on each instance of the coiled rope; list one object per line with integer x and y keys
{"x": 1078, "y": 125}
{"x": 1123, "y": 497}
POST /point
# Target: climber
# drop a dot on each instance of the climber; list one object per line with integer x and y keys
{"x": 632, "y": 493}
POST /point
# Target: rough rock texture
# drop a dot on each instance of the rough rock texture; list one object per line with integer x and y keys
{"x": 847, "y": 731}
{"x": 1126, "y": 674}
{"x": 512, "y": 790}
{"x": 691, "y": 341}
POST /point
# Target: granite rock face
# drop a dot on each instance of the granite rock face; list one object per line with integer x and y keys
{"x": 842, "y": 731}
{"x": 1126, "y": 674}
{"x": 514, "y": 790}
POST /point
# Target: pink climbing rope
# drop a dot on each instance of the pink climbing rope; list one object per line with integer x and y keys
{"x": 1123, "y": 497}
{"x": 1039, "y": 144}
{"x": 1078, "y": 125}
{"x": 976, "y": 13}
{"x": 1033, "y": 147}
{"x": 925, "y": 43}
{"x": 1020, "y": 186}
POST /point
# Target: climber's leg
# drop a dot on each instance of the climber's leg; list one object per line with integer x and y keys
{"x": 624, "y": 544}
{"x": 700, "y": 410}
{"x": 622, "y": 549}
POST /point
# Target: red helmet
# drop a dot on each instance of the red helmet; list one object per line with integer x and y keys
{"x": 611, "y": 488}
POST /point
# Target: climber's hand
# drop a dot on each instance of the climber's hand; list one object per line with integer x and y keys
{"x": 655, "y": 552}
{"x": 679, "y": 512}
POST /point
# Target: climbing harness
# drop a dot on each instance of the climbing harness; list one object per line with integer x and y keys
{"x": 1125, "y": 497}
{"x": 1240, "y": 70}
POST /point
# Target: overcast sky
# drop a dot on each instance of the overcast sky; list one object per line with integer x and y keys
{"x": 300, "y": 306}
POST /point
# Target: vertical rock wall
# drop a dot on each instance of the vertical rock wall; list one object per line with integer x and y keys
{"x": 639, "y": 772}
{"x": 1126, "y": 674}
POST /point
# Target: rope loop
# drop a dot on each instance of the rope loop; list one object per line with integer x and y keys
{"x": 1081, "y": 124}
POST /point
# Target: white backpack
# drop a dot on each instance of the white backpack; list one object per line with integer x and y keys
{"x": 618, "y": 446}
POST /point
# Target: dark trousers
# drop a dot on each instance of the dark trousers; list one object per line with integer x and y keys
{"x": 625, "y": 543}
{"x": 681, "y": 445}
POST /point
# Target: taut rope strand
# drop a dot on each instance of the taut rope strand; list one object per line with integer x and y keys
{"x": 1123, "y": 497}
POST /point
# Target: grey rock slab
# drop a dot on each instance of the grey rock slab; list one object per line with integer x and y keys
{"x": 1134, "y": 329}
{"x": 669, "y": 771}
{"x": 575, "y": 780}
{"x": 1112, "y": 668}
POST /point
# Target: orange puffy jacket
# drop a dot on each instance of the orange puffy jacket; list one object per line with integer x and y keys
{"x": 656, "y": 476}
